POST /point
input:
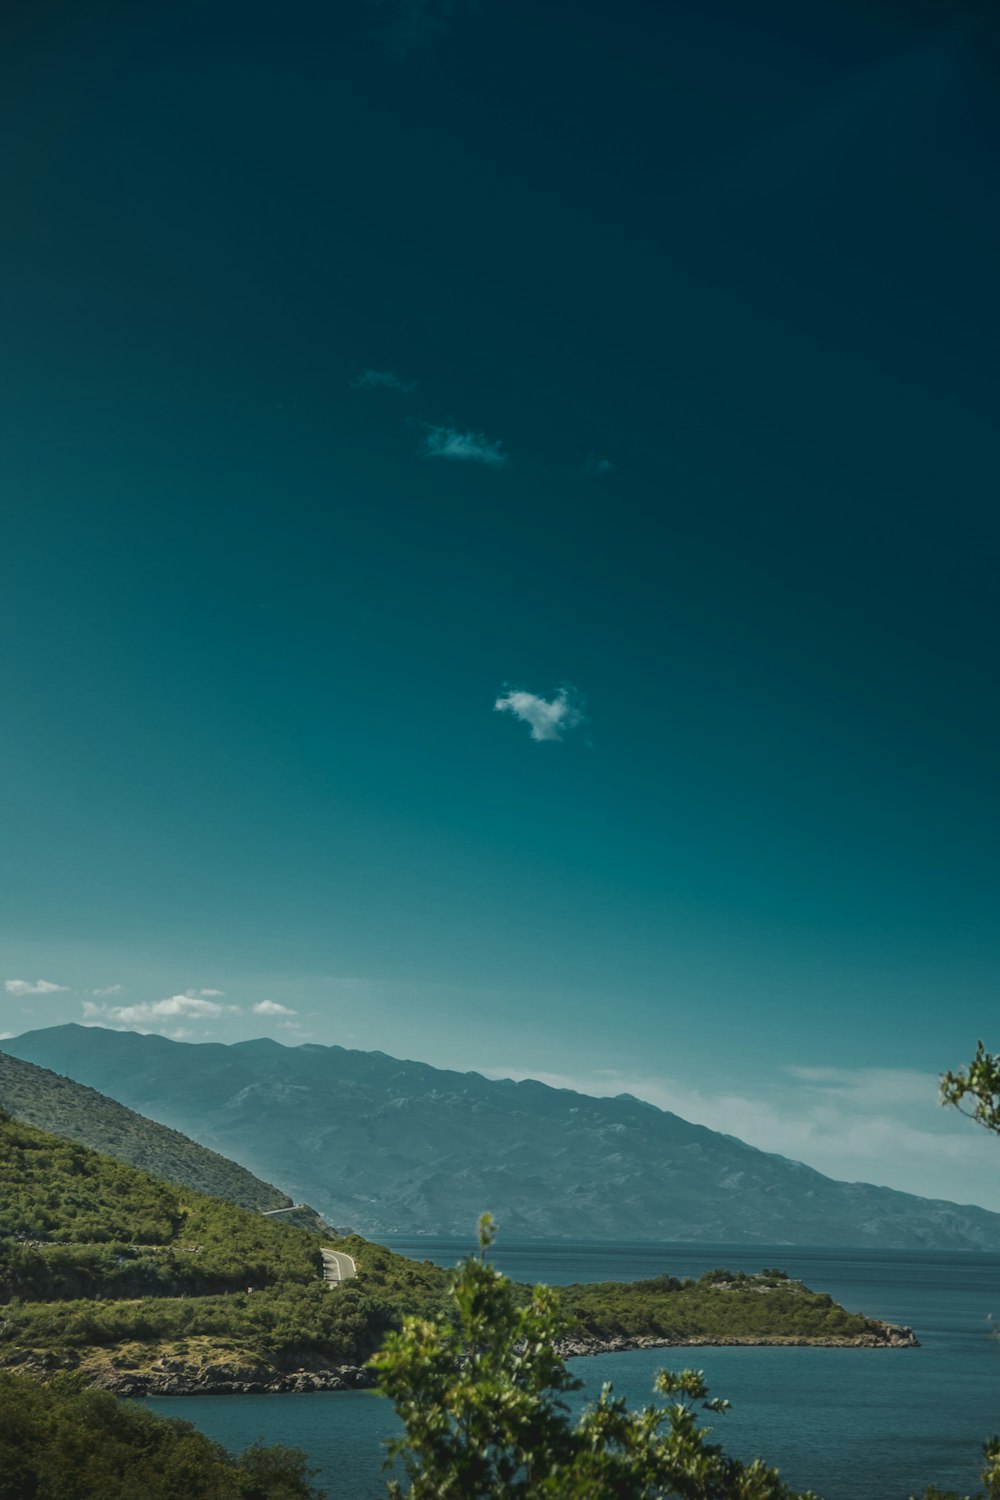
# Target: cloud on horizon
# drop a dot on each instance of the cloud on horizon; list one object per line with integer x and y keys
{"x": 272, "y": 1008}
{"x": 382, "y": 380}
{"x": 151, "y": 1015}
{"x": 463, "y": 447}
{"x": 38, "y": 987}
{"x": 548, "y": 719}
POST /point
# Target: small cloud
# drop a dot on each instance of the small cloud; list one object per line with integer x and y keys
{"x": 382, "y": 380}
{"x": 39, "y": 987}
{"x": 549, "y": 719}
{"x": 5, "y": 1036}
{"x": 463, "y": 447}
{"x": 414, "y": 23}
{"x": 151, "y": 1014}
{"x": 272, "y": 1008}
{"x": 595, "y": 465}
{"x": 108, "y": 991}
{"x": 205, "y": 994}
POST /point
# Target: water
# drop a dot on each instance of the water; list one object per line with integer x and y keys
{"x": 855, "y": 1424}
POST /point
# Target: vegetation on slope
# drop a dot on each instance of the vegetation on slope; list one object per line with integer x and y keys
{"x": 48, "y": 1101}
{"x": 720, "y": 1305}
{"x": 123, "y": 1277}
{"x": 58, "y": 1442}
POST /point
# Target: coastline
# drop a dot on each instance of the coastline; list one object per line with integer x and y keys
{"x": 172, "y": 1378}
{"x": 879, "y": 1336}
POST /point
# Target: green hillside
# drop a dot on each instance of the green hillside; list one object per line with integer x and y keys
{"x": 57, "y": 1442}
{"x": 137, "y": 1283}
{"x": 106, "y": 1269}
{"x": 51, "y": 1102}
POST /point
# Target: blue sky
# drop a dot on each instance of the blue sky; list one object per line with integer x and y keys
{"x": 500, "y": 546}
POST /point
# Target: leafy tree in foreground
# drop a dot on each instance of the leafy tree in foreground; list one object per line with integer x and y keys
{"x": 480, "y": 1396}
{"x": 980, "y": 1083}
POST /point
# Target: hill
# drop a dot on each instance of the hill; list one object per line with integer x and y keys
{"x": 134, "y": 1281}
{"x": 39, "y": 1097}
{"x": 137, "y": 1285}
{"x": 394, "y": 1146}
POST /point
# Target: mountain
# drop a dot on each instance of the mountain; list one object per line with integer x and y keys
{"x": 401, "y": 1147}
{"x": 39, "y": 1097}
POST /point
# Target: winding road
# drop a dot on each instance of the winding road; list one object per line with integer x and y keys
{"x": 337, "y": 1267}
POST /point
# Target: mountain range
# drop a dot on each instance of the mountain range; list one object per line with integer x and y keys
{"x": 392, "y": 1146}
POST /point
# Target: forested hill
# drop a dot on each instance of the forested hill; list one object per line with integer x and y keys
{"x": 391, "y": 1146}
{"x": 52, "y": 1102}
{"x": 75, "y": 1223}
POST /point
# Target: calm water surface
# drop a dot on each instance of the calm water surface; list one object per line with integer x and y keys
{"x": 855, "y": 1424}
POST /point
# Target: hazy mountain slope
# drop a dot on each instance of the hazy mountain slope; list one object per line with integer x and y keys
{"x": 389, "y": 1145}
{"x": 45, "y": 1099}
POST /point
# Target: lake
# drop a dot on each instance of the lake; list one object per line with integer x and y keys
{"x": 854, "y": 1424}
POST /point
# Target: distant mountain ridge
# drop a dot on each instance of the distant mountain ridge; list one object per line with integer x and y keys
{"x": 401, "y": 1147}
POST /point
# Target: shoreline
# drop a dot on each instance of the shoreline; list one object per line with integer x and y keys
{"x": 264, "y": 1380}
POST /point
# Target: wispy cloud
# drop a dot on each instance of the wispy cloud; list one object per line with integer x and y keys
{"x": 548, "y": 719}
{"x": 408, "y": 24}
{"x": 880, "y": 1125}
{"x": 107, "y": 991}
{"x": 33, "y": 987}
{"x": 158, "y": 1015}
{"x": 595, "y": 465}
{"x": 272, "y": 1008}
{"x": 463, "y": 447}
{"x": 205, "y": 994}
{"x": 382, "y": 380}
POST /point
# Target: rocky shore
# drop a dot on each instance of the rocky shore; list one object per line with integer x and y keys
{"x": 229, "y": 1380}
{"x": 166, "y": 1376}
{"x": 877, "y": 1336}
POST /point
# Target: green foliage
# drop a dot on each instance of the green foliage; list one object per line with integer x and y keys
{"x": 60, "y": 1443}
{"x": 481, "y": 1396}
{"x": 48, "y": 1101}
{"x": 74, "y": 1223}
{"x": 721, "y": 1305}
{"x": 979, "y": 1083}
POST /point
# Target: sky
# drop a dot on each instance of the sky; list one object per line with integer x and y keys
{"x": 499, "y": 545}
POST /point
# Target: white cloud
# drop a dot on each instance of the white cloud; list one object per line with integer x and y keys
{"x": 5, "y": 1036}
{"x": 548, "y": 719}
{"x": 205, "y": 994}
{"x": 381, "y": 380}
{"x": 467, "y": 447}
{"x": 413, "y": 23}
{"x": 595, "y": 465}
{"x": 108, "y": 990}
{"x": 880, "y": 1125}
{"x": 150, "y": 1015}
{"x": 272, "y": 1008}
{"x": 39, "y": 987}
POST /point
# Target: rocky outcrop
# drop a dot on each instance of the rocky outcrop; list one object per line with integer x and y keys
{"x": 228, "y": 1380}
{"x": 876, "y": 1336}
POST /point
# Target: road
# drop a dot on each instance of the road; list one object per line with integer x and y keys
{"x": 337, "y": 1267}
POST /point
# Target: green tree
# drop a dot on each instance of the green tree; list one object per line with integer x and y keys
{"x": 481, "y": 1396}
{"x": 979, "y": 1084}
